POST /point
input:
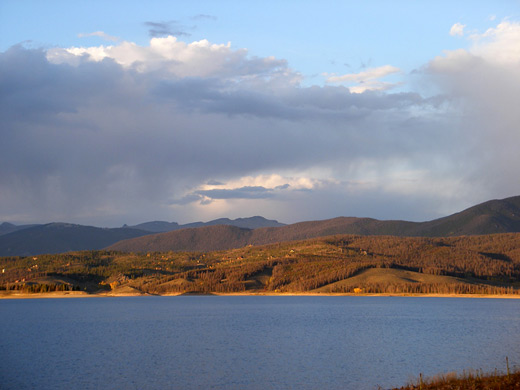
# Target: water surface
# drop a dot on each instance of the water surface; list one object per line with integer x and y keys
{"x": 250, "y": 342}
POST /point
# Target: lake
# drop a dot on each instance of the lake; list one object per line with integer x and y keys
{"x": 250, "y": 342}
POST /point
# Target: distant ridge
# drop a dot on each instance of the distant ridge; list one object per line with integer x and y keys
{"x": 7, "y": 227}
{"x": 30, "y": 240}
{"x": 495, "y": 216}
{"x": 61, "y": 237}
{"x": 248, "y": 223}
{"x": 155, "y": 226}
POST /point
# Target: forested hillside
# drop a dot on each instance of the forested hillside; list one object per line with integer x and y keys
{"x": 342, "y": 264}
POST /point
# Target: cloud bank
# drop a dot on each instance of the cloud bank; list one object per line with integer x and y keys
{"x": 367, "y": 80}
{"x": 184, "y": 131}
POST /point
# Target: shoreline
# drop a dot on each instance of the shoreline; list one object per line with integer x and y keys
{"x": 82, "y": 294}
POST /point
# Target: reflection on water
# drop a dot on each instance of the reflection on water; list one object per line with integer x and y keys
{"x": 205, "y": 342}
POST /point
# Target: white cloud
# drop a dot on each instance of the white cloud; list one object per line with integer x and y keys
{"x": 99, "y": 34}
{"x": 457, "y": 30}
{"x": 499, "y": 45}
{"x": 367, "y": 80}
{"x": 271, "y": 181}
{"x": 371, "y": 188}
{"x": 174, "y": 58}
{"x": 369, "y": 74}
{"x": 250, "y": 187}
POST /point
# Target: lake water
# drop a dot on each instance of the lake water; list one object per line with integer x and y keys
{"x": 255, "y": 342}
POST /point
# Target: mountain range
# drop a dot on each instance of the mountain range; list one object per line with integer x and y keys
{"x": 30, "y": 240}
{"x": 495, "y": 216}
{"x": 247, "y": 223}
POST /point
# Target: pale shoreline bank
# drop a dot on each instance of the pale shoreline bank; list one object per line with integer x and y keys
{"x": 82, "y": 294}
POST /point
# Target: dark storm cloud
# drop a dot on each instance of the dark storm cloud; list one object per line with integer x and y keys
{"x": 96, "y": 139}
{"x": 162, "y": 29}
{"x": 245, "y": 192}
{"x": 97, "y": 142}
{"x": 320, "y": 103}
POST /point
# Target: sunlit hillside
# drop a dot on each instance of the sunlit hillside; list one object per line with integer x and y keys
{"x": 335, "y": 264}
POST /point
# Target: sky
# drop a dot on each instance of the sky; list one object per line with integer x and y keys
{"x": 123, "y": 112}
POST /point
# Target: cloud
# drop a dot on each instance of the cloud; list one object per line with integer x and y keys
{"x": 173, "y": 58}
{"x": 483, "y": 83}
{"x": 215, "y": 183}
{"x": 206, "y": 197}
{"x": 204, "y": 17}
{"x": 457, "y": 30}
{"x": 366, "y": 80}
{"x": 183, "y": 131}
{"x": 237, "y": 193}
{"x": 498, "y": 45}
{"x": 162, "y": 29}
{"x": 99, "y": 34}
{"x": 249, "y": 187}
{"x": 274, "y": 181}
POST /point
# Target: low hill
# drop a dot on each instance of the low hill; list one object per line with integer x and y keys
{"x": 389, "y": 277}
{"x": 61, "y": 237}
{"x": 496, "y": 216}
{"x": 247, "y": 223}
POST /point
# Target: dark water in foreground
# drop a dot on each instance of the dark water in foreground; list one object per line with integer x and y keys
{"x": 198, "y": 342}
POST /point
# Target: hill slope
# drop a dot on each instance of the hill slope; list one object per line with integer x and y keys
{"x": 206, "y": 238}
{"x": 337, "y": 264}
{"x": 61, "y": 237}
{"x": 496, "y": 216}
